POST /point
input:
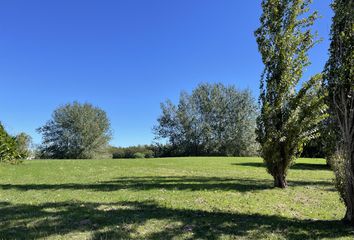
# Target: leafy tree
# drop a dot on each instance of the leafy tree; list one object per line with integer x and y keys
{"x": 289, "y": 114}
{"x": 76, "y": 131}
{"x": 8, "y": 147}
{"x": 24, "y": 142}
{"x": 339, "y": 80}
{"x": 213, "y": 120}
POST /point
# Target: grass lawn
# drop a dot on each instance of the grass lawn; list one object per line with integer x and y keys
{"x": 175, "y": 198}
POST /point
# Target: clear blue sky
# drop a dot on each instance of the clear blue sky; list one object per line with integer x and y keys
{"x": 126, "y": 56}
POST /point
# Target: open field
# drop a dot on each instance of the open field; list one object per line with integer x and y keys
{"x": 176, "y": 198}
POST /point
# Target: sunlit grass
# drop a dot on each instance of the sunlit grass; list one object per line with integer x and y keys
{"x": 174, "y": 198}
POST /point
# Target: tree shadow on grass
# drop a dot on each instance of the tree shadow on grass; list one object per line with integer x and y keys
{"x": 125, "y": 220}
{"x": 296, "y": 166}
{"x": 183, "y": 183}
{"x": 156, "y": 182}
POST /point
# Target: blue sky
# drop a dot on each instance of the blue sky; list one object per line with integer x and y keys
{"x": 126, "y": 56}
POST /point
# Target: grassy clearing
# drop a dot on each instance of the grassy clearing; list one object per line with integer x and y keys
{"x": 176, "y": 198}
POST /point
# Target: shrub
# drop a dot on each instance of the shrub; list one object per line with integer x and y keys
{"x": 149, "y": 154}
{"x": 338, "y": 165}
{"x": 118, "y": 153}
{"x": 138, "y": 155}
{"x": 132, "y": 152}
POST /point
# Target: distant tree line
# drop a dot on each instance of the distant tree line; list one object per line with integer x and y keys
{"x": 214, "y": 120}
{"x": 140, "y": 151}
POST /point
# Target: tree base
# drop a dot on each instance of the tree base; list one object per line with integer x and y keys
{"x": 349, "y": 216}
{"x": 280, "y": 181}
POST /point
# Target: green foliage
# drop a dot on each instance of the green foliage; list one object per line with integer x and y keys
{"x": 289, "y": 117}
{"x": 139, "y": 155}
{"x": 213, "y": 120}
{"x": 24, "y": 142}
{"x": 338, "y": 164}
{"x": 339, "y": 81}
{"x": 8, "y": 148}
{"x": 76, "y": 131}
{"x": 140, "y": 151}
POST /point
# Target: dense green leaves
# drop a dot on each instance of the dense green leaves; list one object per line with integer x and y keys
{"x": 289, "y": 115}
{"x": 8, "y": 147}
{"x": 213, "y": 120}
{"x": 133, "y": 151}
{"x": 24, "y": 142}
{"x": 339, "y": 80}
{"x": 76, "y": 131}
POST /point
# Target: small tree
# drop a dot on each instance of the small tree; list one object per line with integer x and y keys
{"x": 289, "y": 116}
{"x": 8, "y": 147}
{"x": 339, "y": 76}
{"x": 76, "y": 131}
{"x": 24, "y": 142}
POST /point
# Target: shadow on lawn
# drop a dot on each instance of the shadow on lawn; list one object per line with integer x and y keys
{"x": 166, "y": 183}
{"x": 296, "y": 166}
{"x": 125, "y": 219}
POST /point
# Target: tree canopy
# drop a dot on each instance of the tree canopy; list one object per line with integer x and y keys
{"x": 213, "y": 120}
{"x": 75, "y": 131}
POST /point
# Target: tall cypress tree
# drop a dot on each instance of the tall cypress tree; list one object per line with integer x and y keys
{"x": 339, "y": 80}
{"x": 289, "y": 114}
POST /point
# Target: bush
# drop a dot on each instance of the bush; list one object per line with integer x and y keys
{"x": 337, "y": 162}
{"x": 118, "y": 153}
{"x": 149, "y": 154}
{"x": 139, "y": 155}
{"x": 132, "y": 152}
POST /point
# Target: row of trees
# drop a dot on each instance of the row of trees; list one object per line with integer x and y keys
{"x": 291, "y": 115}
{"x": 213, "y": 120}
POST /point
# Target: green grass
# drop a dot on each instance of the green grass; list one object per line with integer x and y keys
{"x": 176, "y": 198}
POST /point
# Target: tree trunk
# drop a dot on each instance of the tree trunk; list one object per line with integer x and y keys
{"x": 280, "y": 180}
{"x": 279, "y": 176}
{"x": 349, "y": 215}
{"x": 349, "y": 202}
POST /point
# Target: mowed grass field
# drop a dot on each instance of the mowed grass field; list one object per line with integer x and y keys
{"x": 173, "y": 198}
